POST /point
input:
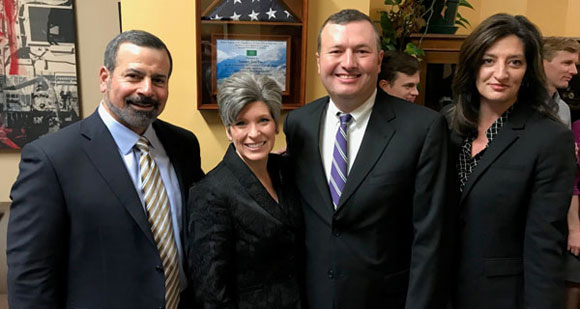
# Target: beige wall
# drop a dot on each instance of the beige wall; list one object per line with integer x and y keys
{"x": 97, "y": 23}
{"x": 557, "y": 17}
{"x": 173, "y": 21}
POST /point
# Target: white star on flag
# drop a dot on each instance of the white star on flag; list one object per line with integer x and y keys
{"x": 246, "y": 10}
{"x": 254, "y": 15}
{"x": 271, "y": 14}
{"x": 235, "y": 16}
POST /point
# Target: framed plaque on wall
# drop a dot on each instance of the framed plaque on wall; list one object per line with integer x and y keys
{"x": 265, "y": 37}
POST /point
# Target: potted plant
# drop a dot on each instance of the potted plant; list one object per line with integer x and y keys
{"x": 398, "y": 23}
{"x": 412, "y": 16}
{"x": 445, "y": 16}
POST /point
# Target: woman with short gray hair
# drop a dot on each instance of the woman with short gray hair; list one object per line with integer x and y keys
{"x": 244, "y": 88}
{"x": 244, "y": 220}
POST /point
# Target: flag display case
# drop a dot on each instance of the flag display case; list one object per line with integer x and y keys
{"x": 262, "y": 36}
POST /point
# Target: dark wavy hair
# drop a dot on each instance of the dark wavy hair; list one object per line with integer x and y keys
{"x": 465, "y": 113}
{"x": 137, "y": 37}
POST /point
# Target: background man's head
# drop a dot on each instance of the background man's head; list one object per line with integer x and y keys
{"x": 560, "y": 57}
{"x": 134, "y": 78}
{"x": 399, "y": 75}
{"x": 349, "y": 58}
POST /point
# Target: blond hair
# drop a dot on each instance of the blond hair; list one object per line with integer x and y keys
{"x": 554, "y": 44}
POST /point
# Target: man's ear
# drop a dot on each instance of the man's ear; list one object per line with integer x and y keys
{"x": 318, "y": 62}
{"x": 384, "y": 84}
{"x": 104, "y": 77}
{"x": 381, "y": 54}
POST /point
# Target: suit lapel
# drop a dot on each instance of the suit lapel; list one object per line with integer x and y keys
{"x": 313, "y": 159}
{"x": 101, "y": 149}
{"x": 376, "y": 138}
{"x": 253, "y": 186}
{"x": 510, "y": 132}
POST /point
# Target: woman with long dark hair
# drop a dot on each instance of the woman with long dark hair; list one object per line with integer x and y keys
{"x": 515, "y": 169}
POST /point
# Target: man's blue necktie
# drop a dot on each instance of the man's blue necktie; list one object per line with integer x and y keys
{"x": 339, "y": 168}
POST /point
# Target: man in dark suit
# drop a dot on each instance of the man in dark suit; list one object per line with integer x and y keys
{"x": 83, "y": 229}
{"x": 374, "y": 240}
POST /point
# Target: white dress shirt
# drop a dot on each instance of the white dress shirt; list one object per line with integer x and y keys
{"x": 126, "y": 139}
{"x": 356, "y": 130}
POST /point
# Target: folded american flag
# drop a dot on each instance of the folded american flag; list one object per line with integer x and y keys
{"x": 251, "y": 10}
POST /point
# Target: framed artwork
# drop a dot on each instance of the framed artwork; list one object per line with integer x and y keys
{"x": 261, "y": 54}
{"x": 265, "y": 37}
{"x": 38, "y": 73}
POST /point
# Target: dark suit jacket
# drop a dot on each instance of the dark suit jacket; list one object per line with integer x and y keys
{"x": 512, "y": 219}
{"x": 244, "y": 247}
{"x": 78, "y": 235}
{"x": 381, "y": 247}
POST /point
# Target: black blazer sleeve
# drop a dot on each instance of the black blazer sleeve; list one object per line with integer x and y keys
{"x": 546, "y": 229}
{"x": 211, "y": 248}
{"x": 37, "y": 235}
{"x": 426, "y": 284}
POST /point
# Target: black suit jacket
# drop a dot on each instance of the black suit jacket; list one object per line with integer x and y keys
{"x": 244, "y": 247}
{"x": 78, "y": 235}
{"x": 512, "y": 216}
{"x": 382, "y": 247}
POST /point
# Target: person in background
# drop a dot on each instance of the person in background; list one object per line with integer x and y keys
{"x": 399, "y": 75}
{"x": 245, "y": 221}
{"x": 371, "y": 170}
{"x": 560, "y": 57}
{"x": 96, "y": 214}
{"x": 515, "y": 169}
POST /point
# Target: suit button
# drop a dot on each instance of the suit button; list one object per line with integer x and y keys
{"x": 159, "y": 268}
{"x": 330, "y": 274}
{"x": 336, "y": 232}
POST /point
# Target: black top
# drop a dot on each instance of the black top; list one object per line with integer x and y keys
{"x": 244, "y": 248}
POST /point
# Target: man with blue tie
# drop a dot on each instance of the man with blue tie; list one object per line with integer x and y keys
{"x": 97, "y": 214}
{"x": 371, "y": 171}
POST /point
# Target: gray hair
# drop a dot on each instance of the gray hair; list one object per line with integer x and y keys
{"x": 347, "y": 16}
{"x": 243, "y": 88}
{"x": 137, "y": 37}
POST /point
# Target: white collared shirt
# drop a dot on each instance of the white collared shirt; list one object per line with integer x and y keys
{"x": 126, "y": 139}
{"x": 356, "y": 130}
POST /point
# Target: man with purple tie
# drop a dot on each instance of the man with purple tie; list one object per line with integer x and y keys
{"x": 371, "y": 171}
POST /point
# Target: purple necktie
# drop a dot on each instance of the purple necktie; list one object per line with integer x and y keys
{"x": 339, "y": 168}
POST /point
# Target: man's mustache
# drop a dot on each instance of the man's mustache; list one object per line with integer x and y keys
{"x": 142, "y": 100}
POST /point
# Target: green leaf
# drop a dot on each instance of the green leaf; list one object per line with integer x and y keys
{"x": 389, "y": 2}
{"x": 414, "y": 50}
{"x": 463, "y": 20}
{"x": 460, "y": 23}
{"x": 398, "y": 1}
{"x": 385, "y": 21}
{"x": 465, "y": 4}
